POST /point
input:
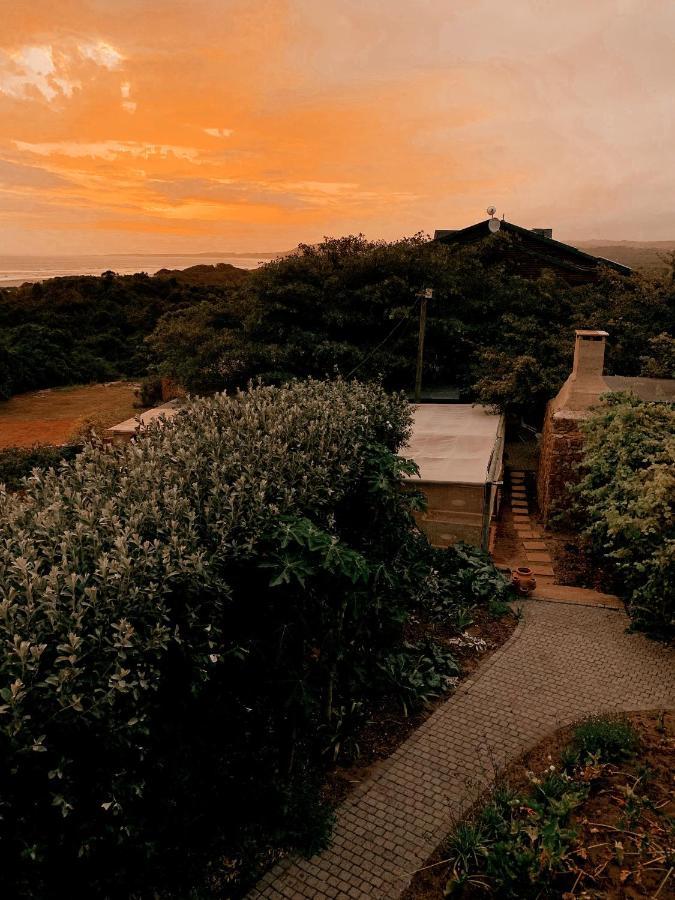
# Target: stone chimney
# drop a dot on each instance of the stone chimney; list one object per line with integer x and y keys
{"x": 585, "y": 383}
{"x": 589, "y": 354}
{"x": 562, "y": 438}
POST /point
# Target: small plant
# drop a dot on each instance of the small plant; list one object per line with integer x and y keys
{"x": 463, "y": 618}
{"x": 607, "y": 737}
{"x": 341, "y": 733}
{"x": 569, "y": 758}
{"x": 417, "y": 673}
{"x": 518, "y": 843}
{"x": 459, "y": 580}
{"x": 498, "y": 609}
{"x": 467, "y": 846}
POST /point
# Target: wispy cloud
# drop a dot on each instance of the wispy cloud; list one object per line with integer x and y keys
{"x": 128, "y": 105}
{"x": 47, "y": 71}
{"x": 219, "y": 132}
{"x": 108, "y": 150}
{"x": 101, "y": 54}
{"x": 30, "y": 72}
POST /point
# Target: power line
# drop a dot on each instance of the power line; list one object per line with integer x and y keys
{"x": 381, "y": 344}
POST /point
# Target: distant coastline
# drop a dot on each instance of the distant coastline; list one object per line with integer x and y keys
{"x": 16, "y": 270}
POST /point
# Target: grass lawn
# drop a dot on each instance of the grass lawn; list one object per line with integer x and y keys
{"x": 55, "y": 416}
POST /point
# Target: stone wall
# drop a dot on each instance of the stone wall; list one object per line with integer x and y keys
{"x": 561, "y": 450}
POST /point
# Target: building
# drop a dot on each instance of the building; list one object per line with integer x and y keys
{"x": 530, "y": 252}
{"x": 562, "y": 439}
{"x": 459, "y": 450}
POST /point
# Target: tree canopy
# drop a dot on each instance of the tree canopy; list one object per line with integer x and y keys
{"x": 344, "y": 306}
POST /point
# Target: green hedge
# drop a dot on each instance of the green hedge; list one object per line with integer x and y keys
{"x": 625, "y": 503}
{"x": 16, "y": 463}
{"x": 183, "y": 621}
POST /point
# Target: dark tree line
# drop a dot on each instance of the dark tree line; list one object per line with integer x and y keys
{"x": 81, "y": 329}
{"x": 346, "y": 306}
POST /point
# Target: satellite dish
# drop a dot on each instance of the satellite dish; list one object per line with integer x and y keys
{"x": 494, "y": 225}
{"x": 491, "y": 210}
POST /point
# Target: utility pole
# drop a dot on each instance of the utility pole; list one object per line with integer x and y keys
{"x": 424, "y": 295}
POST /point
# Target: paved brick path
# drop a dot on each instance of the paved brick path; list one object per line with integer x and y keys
{"x": 562, "y": 662}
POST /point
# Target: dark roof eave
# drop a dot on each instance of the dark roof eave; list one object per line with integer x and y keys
{"x": 455, "y": 237}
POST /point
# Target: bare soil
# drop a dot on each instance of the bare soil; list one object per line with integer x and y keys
{"x": 625, "y": 847}
{"x": 55, "y": 416}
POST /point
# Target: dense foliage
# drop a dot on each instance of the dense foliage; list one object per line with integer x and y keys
{"x": 345, "y": 306}
{"x": 625, "y": 503}
{"x": 349, "y": 306}
{"x": 16, "y": 463}
{"x": 81, "y": 329}
{"x": 191, "y": 624}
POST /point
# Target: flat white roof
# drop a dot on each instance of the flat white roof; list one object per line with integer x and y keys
{"x": 453, "y": 442}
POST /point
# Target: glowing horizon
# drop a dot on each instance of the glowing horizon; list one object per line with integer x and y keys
{"x": 133, "y": 126}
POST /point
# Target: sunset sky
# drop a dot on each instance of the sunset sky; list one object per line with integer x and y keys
{"x": 131, "y": 125}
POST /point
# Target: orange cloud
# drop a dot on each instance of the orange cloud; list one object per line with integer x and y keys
{"x": 262, "y": 124}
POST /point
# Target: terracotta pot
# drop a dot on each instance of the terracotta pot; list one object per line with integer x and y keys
{"x": 523, "y": 580}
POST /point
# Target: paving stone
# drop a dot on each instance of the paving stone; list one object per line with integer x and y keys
{"x": 563, "y": 662}
{"x": 534, "y": 545}
{"x": 539, "y": 556}
{"x": 541, "y": 569}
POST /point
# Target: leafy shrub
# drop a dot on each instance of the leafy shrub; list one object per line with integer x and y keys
{"x": 458, "y": 579}
{"x": 151, "y": 391}
{"x": 418, "y": 673}
{"x": 17, "y": 463}
{"x": 625, "y": 503}
{"x": 184, "y": 618}
{"x": 516, "y": 845}
{"x": 606, "y": 737}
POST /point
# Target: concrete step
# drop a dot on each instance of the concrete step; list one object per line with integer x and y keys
{"x": 563, "y": 593}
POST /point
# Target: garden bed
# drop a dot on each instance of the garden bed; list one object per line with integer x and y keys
{"x": 388, "y": 726}
{"x": 588, "y": 813}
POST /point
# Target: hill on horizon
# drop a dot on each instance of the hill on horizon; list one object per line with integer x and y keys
{"x": 650, "y": 257}
{"x": 219, "y": 274}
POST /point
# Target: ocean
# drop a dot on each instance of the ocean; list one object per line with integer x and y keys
{"x": 16, "y": 270}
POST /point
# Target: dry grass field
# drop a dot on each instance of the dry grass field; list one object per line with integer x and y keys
{"x": 57, "y": 415}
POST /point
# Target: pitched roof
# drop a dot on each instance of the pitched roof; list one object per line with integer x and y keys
{"x": 534, "y": 252}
